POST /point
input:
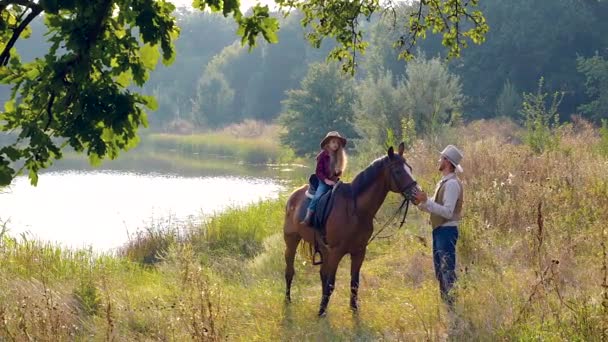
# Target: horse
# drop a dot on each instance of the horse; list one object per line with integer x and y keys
{"x": 349, "y": 225}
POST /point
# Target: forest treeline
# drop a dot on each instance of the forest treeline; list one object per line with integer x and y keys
{"x": 215, "y": 81}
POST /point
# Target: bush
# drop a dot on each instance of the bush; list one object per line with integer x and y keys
{"x": 509, "y": 101}
{"x": 431, "y": 94}
{"x": 87, "y": 295}
{"x": 241, "y": 231}
{"x": 541, "y": 123}
{"x": 148, "y": 246}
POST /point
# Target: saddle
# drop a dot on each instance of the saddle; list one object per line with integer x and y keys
{"x": 324, "y": 205}
{"x": 322, "y": 211}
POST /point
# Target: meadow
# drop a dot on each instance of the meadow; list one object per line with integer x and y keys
{"x": 532, "y": 263}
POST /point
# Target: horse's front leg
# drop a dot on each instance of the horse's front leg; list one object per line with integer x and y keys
{"x": 328, "y": 278}
{"x": 291, "y": 247}
{"x": 356, "y": 260}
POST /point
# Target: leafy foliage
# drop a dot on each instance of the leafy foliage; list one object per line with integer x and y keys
{"x": 524, "y": 43}
{"x": 323, "y": 103}
{"x": 432, "y": 94}
{"x": 78, "y": 94}
{"x": 379, "y": 106}
{"x": 408, "y": 131}
{"x": 213, "y": 104}
{"x": 459, "y": 21}
{"x": 541, "y": 122}
{"x": 509, "y": 101}
{"x": 202, "y": 36}
{"x": 595, "y": 70}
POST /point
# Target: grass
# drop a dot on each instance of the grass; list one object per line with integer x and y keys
{"x": 531, "y": 262}
{"x": 247, "y": 142}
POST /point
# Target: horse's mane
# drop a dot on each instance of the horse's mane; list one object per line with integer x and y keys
{"x": 366, "y": 177}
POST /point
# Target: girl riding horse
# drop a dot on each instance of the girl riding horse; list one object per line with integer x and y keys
{"x": 331, "y": 163}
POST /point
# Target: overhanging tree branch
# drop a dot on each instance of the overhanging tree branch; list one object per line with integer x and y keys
{"x": 6, "y": 53}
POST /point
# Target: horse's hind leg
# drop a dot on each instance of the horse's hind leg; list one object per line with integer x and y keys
{"x": 328, "y": 279}
{"x": 291, "y": 245}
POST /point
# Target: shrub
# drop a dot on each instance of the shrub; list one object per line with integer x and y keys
{"x": 541, "y": 122}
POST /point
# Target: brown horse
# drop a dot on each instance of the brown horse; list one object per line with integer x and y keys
{"x": 349, "y": 226}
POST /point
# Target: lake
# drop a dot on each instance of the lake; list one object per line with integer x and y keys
{"x": 101, "y": 208}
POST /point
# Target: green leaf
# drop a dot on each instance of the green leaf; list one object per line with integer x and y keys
{"x": 9, "y": 106}
{"x": 11, "y": 152}
{"x": 6, "y": 173}
{"x": 95, "y": 159}
{"x": 149, "y": 56}
{"x": 150, "y": 102}
{"x": 33, "y": 177}
{"x": 125, "y": 78}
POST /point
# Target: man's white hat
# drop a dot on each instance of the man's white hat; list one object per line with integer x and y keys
{"x": 454, "y": 155}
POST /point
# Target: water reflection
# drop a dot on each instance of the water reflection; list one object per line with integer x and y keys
{"x": 97, "y": 208}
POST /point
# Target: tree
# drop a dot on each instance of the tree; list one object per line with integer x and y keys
{"x": 379, "y": 107}
{"x": 77, "y": 95}
{"x": 283, "y": 66}
{"x": 459, "y": 22}
{"x": 509, "y": 101}
{"x": 175, "y": 86}
{"x": 213, "y": 106}
{"x": 541, "y": 122}
{"x": 525, "y": 43}
{"x": 323, "y": 103}
{"x": 381, "y": 54}
{"x": 595, "y": 70}
{"x": 237, "y": 68}
{"x": 432, "y": 95}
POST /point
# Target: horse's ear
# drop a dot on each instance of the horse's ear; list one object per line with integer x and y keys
{"x": 401, "y": 149}
{"x": 391, "y": 152}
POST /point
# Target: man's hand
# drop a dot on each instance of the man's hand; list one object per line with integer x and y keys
{"x": 330, "y": 182}
{"x": 421, "y": 197}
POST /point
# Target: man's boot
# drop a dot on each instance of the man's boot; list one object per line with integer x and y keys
{"x": 307, "y": 220}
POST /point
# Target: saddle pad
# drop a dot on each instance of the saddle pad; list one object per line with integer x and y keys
{"x": 324, "y": 207}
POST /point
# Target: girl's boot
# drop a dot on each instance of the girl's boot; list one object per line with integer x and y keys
{"x": 307, "y": 220}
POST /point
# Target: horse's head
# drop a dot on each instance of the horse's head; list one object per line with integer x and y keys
{"x": 401, "y": 179}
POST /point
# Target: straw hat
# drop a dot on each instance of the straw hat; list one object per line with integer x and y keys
{"x": 331, "y": 135}
{"x": 454, "y": 155}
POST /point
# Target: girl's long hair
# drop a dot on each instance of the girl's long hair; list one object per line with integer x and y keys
{"x": 338, "y": 160}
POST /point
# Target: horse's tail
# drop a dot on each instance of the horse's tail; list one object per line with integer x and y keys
{"x": 307, "y": 249}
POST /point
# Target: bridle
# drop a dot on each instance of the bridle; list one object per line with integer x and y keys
{"x": 407, "y": 194}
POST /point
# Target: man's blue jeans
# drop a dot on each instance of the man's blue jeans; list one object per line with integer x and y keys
{"x": 321, "y": 189}
{"x": 444, "y": 259}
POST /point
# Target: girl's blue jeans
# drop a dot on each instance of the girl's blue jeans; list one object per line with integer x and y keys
{"x": 321, "y": 189}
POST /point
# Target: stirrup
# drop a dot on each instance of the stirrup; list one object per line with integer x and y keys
{"x": 316, "y": 247}
{"x": 314, "y": 261}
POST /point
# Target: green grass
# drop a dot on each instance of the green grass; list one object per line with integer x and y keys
{"x": 251, "y": 150}
{"x": 223, "y": 280}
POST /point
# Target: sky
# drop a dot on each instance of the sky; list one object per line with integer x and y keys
{"x": 245, "y": 4}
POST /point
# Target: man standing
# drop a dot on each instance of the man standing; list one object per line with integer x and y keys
{"x": 446, "y": 210}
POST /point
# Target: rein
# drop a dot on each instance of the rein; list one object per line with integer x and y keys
{"x": 406, "y": 204}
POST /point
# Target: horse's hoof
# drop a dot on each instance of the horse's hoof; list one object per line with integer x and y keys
{"x": 287, "y": 300}
{"x": 322, "y": 313}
